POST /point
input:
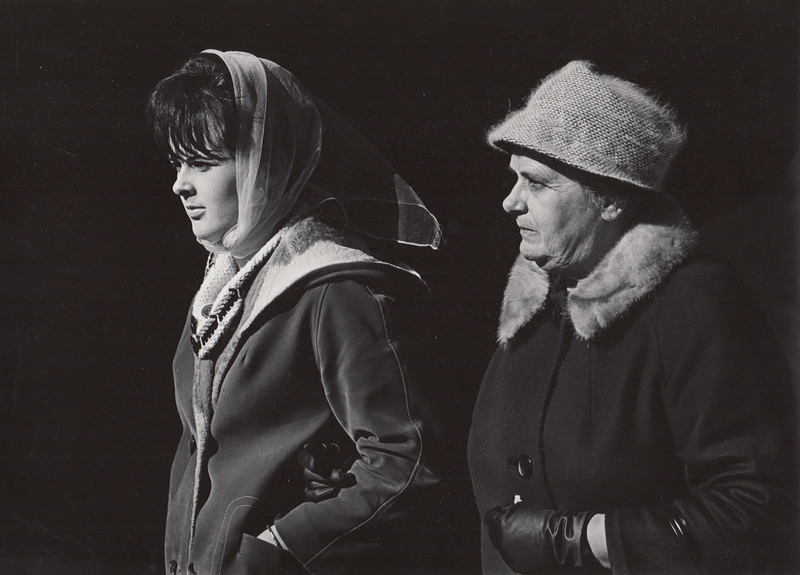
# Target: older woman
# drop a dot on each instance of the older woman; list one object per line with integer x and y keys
{"x": 296, "y": 343}
{"x": 635, "y": 415}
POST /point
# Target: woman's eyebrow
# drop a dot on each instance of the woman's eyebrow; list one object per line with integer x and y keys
{"x": 524, "y": 173}
{"x": 192, "y": 157}
{"x": 535, "y": 176}
{"x": 529, "y": 175}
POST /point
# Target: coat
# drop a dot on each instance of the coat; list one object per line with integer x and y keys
{"x": 651, "y": 392}
{"x": 318, "y": 354}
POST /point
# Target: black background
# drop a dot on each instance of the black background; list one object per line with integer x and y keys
{"x": 98, "y": 262}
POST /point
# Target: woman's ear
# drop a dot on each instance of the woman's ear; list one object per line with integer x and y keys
{"x": 613, "y": 208}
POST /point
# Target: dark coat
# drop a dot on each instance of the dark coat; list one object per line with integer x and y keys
{"x": 319, "y": 354}
{"x": 653, "y": 395}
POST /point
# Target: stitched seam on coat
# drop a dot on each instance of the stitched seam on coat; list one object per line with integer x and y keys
{"x": 414, "y": 422}
{"x": 227, "y": 531}
{"x": 417, "y": 464}
{"x": 228, "y": 520}
{"x": 657, "y": 338}
{"x": 316, "y": 331}
{"x": 563, "y": 349}
{"x": 662, "y": 364}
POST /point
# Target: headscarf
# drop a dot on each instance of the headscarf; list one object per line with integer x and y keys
{"x": 288, "y": 142}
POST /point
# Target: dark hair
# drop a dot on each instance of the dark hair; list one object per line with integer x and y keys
{"x": 193, "y": 111}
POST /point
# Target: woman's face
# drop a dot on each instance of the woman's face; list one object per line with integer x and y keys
{"x": 207, "y": 188}
{"x": 559, "y": 229}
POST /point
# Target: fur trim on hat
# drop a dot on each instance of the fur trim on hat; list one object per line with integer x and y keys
{"x": 634, "y": 267}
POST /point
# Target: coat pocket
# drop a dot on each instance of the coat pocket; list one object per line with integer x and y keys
{"x": 257, "y": 557}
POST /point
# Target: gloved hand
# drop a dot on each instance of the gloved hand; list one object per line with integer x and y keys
{"x": 325, "y": 469}
{"x": 530, "y": 539}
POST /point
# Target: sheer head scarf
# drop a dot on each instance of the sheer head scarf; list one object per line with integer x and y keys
{"x": 287, "y": 142}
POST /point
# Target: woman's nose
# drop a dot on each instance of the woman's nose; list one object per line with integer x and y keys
{"x": 513, "y": 203}
{"x": 183, "y": 185}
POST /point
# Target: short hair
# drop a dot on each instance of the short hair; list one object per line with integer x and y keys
{"x": 193, "y": 111}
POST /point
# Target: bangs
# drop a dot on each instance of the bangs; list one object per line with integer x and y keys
{"x": 189, "y": 119}
{"x": 189, "y": 125}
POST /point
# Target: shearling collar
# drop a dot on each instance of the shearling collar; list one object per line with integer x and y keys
{"x": 308, "y": 249}
{"x": 633, "y": 268}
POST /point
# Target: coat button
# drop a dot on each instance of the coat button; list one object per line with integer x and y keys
{"x": 525, "y": 466}
{"x": 192, "y": 444}
{"x": 191, "y": 569}
{"x": 173, "y": 567}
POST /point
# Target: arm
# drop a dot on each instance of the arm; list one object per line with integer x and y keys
{"x": 726, "y": 400}
{"x": 367, "y": 381}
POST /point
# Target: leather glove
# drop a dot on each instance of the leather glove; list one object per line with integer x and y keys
{"x": 530, "y": 539}
{"x": 325, "y": 470}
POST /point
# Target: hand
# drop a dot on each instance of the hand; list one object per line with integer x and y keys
{"x": 325, "y": 470}
{"x": 529, "y": 539}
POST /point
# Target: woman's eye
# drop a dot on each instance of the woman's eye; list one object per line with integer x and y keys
{"x": 534, "y": 185}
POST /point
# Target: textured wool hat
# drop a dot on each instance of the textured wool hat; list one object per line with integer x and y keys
{"x": 597, "y": 123}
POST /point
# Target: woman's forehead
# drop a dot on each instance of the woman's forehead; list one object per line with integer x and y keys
{"x": 535, "y": 169}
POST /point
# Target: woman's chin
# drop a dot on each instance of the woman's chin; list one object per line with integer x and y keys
{"x": 207, "y": 238}
{"x": 205, "y": 233}
{"x": 531, "y": 252}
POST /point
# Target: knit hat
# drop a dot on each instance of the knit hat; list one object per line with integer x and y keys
{"x": 596, "y": 123}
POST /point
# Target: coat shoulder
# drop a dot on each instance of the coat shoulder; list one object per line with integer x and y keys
{"x": 702, "y": 283}
{"x": 702, "y": 306}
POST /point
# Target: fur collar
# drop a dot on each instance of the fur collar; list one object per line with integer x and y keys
{"x": 640, "y": 261}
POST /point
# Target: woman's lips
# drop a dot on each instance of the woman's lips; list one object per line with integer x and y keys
{"x": 194, "y": 212}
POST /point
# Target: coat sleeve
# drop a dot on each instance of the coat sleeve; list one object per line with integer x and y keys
{"x": 365, "y": 375}
{"x": 729, "y": 404}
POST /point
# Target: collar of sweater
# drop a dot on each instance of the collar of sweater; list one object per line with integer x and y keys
{"x": 634, "y": 267}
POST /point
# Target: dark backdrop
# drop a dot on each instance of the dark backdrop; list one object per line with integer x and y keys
{"x": 98, "y": 262}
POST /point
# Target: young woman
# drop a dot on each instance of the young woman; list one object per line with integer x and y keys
{"x": 297, "y": 336}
